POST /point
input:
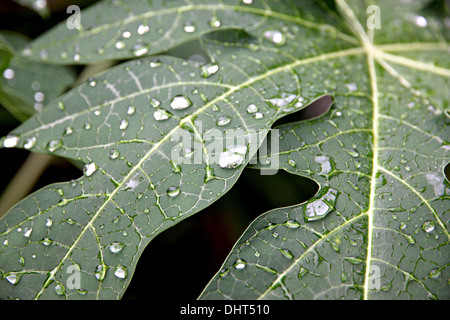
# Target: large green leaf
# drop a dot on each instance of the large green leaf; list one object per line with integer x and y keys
{"x": 132, "y": 190}
{"x": 378, "y": 227}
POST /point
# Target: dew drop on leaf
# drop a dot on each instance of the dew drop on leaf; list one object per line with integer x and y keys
{"x": 180, "y": 103}
{"x": 173, "y": 191}
{"x": 120, "y": 272}
{"x": 123, "y": 124}
{"x": 30, "y": 143}
{"x": 10, "y": 141}
{"x": 189, "y": 27}
{"x": 224, "y": 120}
{"x": 240, "y": 264}
{"x": 161, "y": 115}
{"x": 113, "y": 154}
{"x": 54, "y": 145}
{"x": 89, "y": 169}
{"x": 116, "y": 247}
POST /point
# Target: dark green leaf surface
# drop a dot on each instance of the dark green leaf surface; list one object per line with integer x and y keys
{"x": 378, "y": 227}
{"x": 124, "y": 125}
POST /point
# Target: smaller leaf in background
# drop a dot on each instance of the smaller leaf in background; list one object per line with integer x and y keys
{"x": 25, "y": 87}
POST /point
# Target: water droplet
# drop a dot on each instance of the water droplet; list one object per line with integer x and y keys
{"x": 43, "y": 54}
{"x": 302, "y": 271}
{"x": 292, "y": 163}
{"x": 131, "y": 110}
{"x": 339, "y": 114}
{"x": 12, "y": 278}
{"x": 126, "y": 34}
{"x": 142, "y": 29}
{"x": 48, "y": 222}
{"x": 353, "y": 153}
{"x": 30, "y": 143}
{"x": 10, "y": 141}
{"x": 252, "y": 108}
{"x": 120, "y": 272}
{"x": 100, "y": 272}
{"x": 180, "y": 103}
{"x": 258, "y": 115}
{"x": 292, "y": 224}
{"x": 208, "y": 70}
{"x": 224, "y": 120}
{"x": 189, "y": 27}
{"x": 139, "y": 50}
{"x": 319, "y": 208}
{"x": 123, "y": 124}
{"x": 421, "y": 21}
{"x": 9, "y": 74}
{"x": 247, "y": 1}
{"x": 402, "y": 225}
{"x": 428, "y": 226}
{"x": 46, "y": 241}
{"x": 87, "y": 126}
{"x": 59, "y": 289}
{"x": 89, "y": 169}
{"x": 61, "y": 106}
{"x": 214, "y": 22}
{"x": 233, "y": 157}
{"x": 435, "y": 273}
{"x": 161, "y": 115}
{"x": 116, "y": 247}
{"x": 120, "y": 44}
{"x": 155, "y": 63}
{"x": 287, "y": 253}
{"x": 54, "y": 145}
{"x": 92, "y": 82}
{"x": 27, "y": 232}
{"x": 113, "y": 154}
{"x": 173, "y": 191}
{"x": 240, "y": 264}
{"x": 68, "y": 131}
{"x": 275, "y": 36}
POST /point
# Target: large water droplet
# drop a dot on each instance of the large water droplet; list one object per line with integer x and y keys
{"x": 142, "y": 29}
{"x": 27, "y": 232}
{"x": 428, "y": 226}
{"x": 120, "y": 44}
{"x": 173, "y": 191}
{"x": 240, "y": 264}
{"x": 116, "y": 247}
{"x": 252, "y": 108}
{"x": 233, "y": 157}
{"x": 224, "y": 120}
{"x": 10, "y": 141}
{"x": 89, "y": 169}
{"x": 120, "y": 272}
{"x": 161, "y": 115}
{"x": 189, "y": 27}
{"x": 180, "y": 102}
{"x": 123, "y": 124}
{"x": 9, "y": 74}
{"x": 319, "y": 208}
{"x": 131, "y": 110}
{"x": 54, "y": 145}
{"x": 12, "y": 278}
{"x": 208, "y": 70}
